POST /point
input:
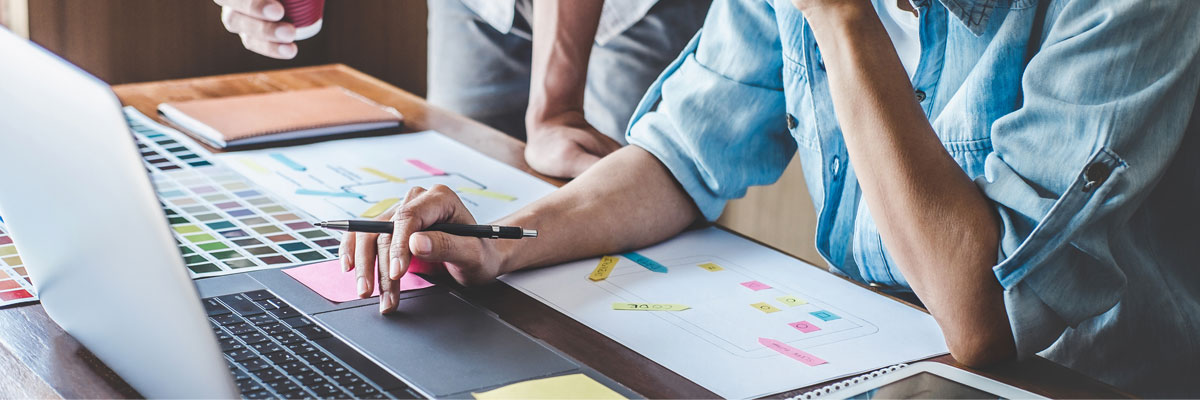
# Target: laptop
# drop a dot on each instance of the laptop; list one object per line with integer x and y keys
{"x": 85, "y": 217}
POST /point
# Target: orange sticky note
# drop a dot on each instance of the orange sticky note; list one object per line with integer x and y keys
{"x": 328, "y": 280}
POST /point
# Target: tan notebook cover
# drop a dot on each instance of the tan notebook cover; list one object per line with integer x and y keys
{"x": 260, "y": 118}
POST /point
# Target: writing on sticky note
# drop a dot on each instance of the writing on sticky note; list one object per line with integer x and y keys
{"x": 649, "y": 307}
{"x": 764, "y": 307}
{"x": 646, "y": 262}
{"x": 574, "y": 386}
{"x": 386, "y": 176}
{"x": 791, "y": 352}
{"x": 711, "y": 267}
{"x": 804, "y": 326}
{"x": 604, "y": 268}
{"x": 328, "y": 280}
{"x": 791, "y": 301}
{"x": 380, "y": 207}
{"x": 425, "y": 167}
{"x": 755, "y": 285}
{"x": 825, "y": 315}
{"x": 486, "y": 193}
{"x": 287, "y": 162}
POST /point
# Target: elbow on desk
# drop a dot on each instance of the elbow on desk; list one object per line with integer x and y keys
{"x": 981, "y": 350}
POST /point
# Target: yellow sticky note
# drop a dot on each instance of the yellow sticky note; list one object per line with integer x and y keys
{"x": 791, "y": 301}
{"x": 486, "y": 193}
{"x": 605, "y": 267}
{"x": 386, "y": 176}
{"x": 649, "y": 307}
{"x": 380, "y": 207}
{"x": 254, "y": 166}
{"x": 764, "y": 307}
{"x": 711, "y": 266}
{"x": 574, "y": 386}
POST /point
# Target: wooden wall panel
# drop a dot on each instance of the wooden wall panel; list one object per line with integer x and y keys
{"x": 124, "y": 41}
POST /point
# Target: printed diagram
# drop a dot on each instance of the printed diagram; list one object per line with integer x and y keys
{"x": 344, "y": 191}
{"x": 731, "y": 307}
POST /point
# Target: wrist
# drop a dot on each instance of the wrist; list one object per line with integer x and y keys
{"x": 822, "y": 17}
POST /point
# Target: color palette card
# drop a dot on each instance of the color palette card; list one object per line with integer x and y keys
{"x": 222, "y": 222}
{"x": 15, "y": 286}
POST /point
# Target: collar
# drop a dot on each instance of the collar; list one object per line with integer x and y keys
{"x": 973, "y": 14}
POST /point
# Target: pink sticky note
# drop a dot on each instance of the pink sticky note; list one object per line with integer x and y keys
{"x": 804, "y": 326}
{"x": 755, "y": 285}
{"x": 426, "y": 167}
{"x": 794, "y": 353}
{"x": 328, "y": 280}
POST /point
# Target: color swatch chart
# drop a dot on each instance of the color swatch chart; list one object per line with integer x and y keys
{"x": 365, "y": 177}
{"x": 15, "y": 287}
{"x": 222, "y": 222}
{"x": 737, "y": 318}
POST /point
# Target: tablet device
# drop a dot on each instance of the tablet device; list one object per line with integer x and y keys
{"x": 925, "y": 380}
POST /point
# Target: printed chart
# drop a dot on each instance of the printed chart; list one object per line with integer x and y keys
{"x": 15, "y": 286}
{"x": 222, "y": 222}
{"x": 364, "y": 177}
{"x": 739, "y": 319}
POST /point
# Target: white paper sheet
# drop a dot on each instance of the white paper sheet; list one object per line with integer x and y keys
{"x": 357, "y": 174}
{"x": 715, "y": 343}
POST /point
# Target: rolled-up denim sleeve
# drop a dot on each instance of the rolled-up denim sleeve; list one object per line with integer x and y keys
{"x": 716, "y": 116}
{"x": 1106, "y": 104}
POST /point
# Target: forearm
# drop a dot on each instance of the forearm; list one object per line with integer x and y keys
{"x": 627, "y": 200}
{"x": 563, "y": 33}
{"x": 936, "y": 224}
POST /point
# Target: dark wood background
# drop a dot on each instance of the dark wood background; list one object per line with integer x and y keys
{"x": 124, "y": 41}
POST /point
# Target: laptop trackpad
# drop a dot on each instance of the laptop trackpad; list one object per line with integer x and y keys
{"x": 445, "y": 346}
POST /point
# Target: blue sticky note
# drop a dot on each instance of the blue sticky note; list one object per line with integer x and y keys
{"x": 825, "y": 315}
{"x": 288, "y": 162}
{"x": 646, "y": 262}
{"x": 310, "y": 192}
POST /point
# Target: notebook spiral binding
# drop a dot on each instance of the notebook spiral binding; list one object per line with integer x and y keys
{"x": 847, "y": 383}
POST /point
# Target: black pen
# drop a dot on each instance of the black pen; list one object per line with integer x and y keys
{"x": 479, "y": 231}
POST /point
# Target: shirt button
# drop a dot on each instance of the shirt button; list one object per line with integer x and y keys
{"x": 920, "y": 96}
{"x": 1096, "y": 174}
{"x": 791, "y": 122}
{"x": 835, "y": 166}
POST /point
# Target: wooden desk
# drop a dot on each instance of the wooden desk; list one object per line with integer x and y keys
{"x": 41, "y": 361}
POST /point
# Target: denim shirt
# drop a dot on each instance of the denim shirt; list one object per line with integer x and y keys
{"x": 1084, "y": 145}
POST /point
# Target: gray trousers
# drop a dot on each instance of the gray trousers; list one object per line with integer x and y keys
{"x": 483, "y": 74}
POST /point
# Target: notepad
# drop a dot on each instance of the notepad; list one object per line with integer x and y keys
{"x": 574, "y": 386}
{"x": 328, "y": 280}
{"x": 262, "y": 118}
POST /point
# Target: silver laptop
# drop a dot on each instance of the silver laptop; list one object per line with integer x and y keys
{"x": 86, "y": 220}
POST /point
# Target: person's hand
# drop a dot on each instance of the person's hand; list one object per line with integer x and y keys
{"x": 258, "y": 23}
{"x": 468, "y": 260}
{"x": 564, "y": 146}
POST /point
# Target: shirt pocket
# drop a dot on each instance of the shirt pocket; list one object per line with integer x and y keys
{"x": 801, "y": 117}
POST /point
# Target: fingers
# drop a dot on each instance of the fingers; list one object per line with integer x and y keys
{"x": 438, "y": 204}
{"x": 270, "y": 10}
{"x": 271, "y": 39}
{"x": 444, "y": 247}
{"x": 403, "y": 227}
{"x": 364, "y": 262}
{"x": 346, "y": 252}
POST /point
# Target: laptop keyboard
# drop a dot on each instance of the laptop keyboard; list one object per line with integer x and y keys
{"x": 274, "y": 351}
